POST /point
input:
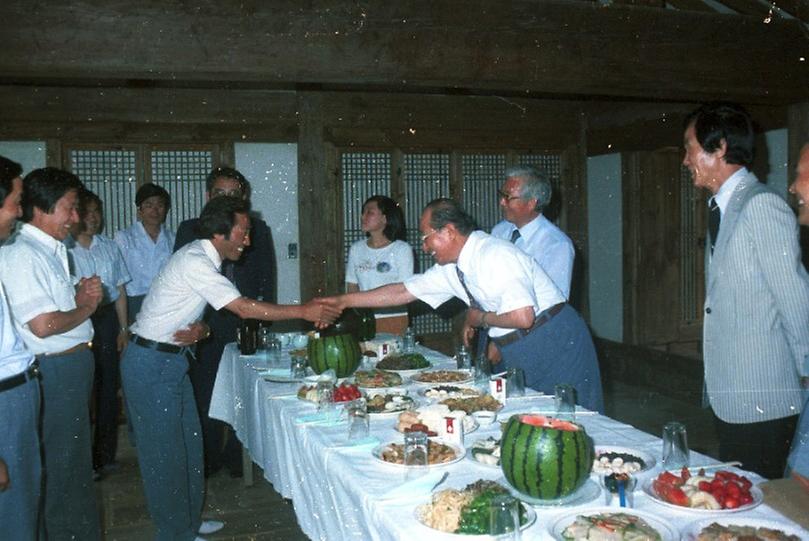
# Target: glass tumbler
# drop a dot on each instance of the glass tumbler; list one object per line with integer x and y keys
{"x": 358, "y": 422}
{"x": 675, "y": 446}
{"x": 504, "y": 517}
{"x": 515, "y": 382}
{"x": 565, "y": 402}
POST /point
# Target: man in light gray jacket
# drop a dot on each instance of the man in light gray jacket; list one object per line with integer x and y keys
{"x": 756, "y": 318}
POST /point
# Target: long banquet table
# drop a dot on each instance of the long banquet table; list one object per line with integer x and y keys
{"x": 336, "y": 489}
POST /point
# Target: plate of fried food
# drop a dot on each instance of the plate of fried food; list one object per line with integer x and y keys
{"x": 439, "y": 453}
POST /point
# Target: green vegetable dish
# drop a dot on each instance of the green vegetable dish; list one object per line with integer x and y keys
{"x": 465, "y": 511}
{"x": 403, "y": 361}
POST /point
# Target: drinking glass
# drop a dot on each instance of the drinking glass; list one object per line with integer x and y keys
{"x": 504, "y": 517}
{"x": 463, "y": 358}
{"x": 483, "y": 371}
{"x": 565, "y": 401}
{"x": 415, "y": 450}
{"x": 675, "y": 446}
{"x": 297, "y": 367}
{"x": 358, "y": 422}
{"x": 264, "y": 338}
{"x": 515, "y": 382}
{"x": 325, "y": 397}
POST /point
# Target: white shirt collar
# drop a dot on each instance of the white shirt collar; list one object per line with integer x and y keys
{"x": 43, "y": 238}
{"x": 211, "y": 252}
{"x": 531, "y": 227}
{"x": 722, "y": 197}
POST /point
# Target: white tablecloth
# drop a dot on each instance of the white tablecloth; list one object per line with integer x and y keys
{"x": 335, "y": 489}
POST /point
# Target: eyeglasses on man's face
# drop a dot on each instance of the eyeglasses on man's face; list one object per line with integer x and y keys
{"x": 503, "y": 196}
{"x": 425, "y": 236}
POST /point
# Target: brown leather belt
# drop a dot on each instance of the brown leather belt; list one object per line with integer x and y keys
{"x": 539, "y": 321}
{"x": 78, "y": 347}
{"x": 32, "y": 372}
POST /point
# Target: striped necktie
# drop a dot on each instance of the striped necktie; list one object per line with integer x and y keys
{"x": 472, "y": 301}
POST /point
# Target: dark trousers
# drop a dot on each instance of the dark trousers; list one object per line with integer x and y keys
{"x": 107, "y": 383}
{"x": 219, "y": 449}
{"x": 760, "y": 447}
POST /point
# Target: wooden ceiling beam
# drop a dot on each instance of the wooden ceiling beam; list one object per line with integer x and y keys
{"x": 752, "y": 8}
{"x": 690, "y": 5}
{"x": 529, "y": 47}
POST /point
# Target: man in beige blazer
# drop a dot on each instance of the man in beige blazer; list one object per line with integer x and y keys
{"x": 756, "y": 319}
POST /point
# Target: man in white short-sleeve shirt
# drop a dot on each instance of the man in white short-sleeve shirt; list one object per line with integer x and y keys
{"x": 154, "y": 369}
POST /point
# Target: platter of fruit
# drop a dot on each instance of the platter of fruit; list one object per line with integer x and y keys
{"x": 464, "y": 513}
{"x": 345, "y": 392}
{"x": 723, "y": 492}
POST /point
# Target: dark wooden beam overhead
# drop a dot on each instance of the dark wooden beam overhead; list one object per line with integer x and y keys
{"x": 689, "y": 5}
{"x": 796, "y": 8}
{"x": 753, "y": 8}
{"x": 529, "y": 47}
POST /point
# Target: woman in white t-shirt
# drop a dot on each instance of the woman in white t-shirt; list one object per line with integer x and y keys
{"x": 382, "y": 258}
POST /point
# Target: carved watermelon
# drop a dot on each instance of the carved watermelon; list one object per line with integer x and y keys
{"x": 545, "y": 458}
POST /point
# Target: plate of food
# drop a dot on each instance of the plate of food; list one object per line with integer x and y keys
{"x": 611, "y": 523}
{"x": 436, "y": 377}
{"x": 442, "y": 392}
{"x": 470, "y": 405}
{"x": 433, "y": 418}
{"x": 464, "y": 512}
{"x": 485, "y": 451}
{"x": 389, "y": 404}
{"x": 405, "y": 364}
{"x": 615, "y": 459}
{"x": 439, "y": 453}
{"x": 723, "y": 492}
{"x": 736, "y": 527}
{"x": 376, "y": 379}
{"x": 345, "y": 392}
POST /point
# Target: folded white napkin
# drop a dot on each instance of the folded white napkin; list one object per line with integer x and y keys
{"x": 415, "y": 488}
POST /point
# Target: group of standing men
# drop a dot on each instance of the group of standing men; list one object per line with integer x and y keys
{"x": 516, "y": 282}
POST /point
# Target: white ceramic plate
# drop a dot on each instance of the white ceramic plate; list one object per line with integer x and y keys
{"x": 667, "y": 531}
{"x": 588, "y": 492}
{"x": 475, "y": 460}
{"x": 469, "y": 425}
{"x": 692, "y": 530}
{"x": 648, "y": 460}
{"x": 758, "y": 497}
{"x": 530, "y": 516}
{"x": 379, "y": 449}
{"x": 411, "y": 404}
{"x": 424, "y": 392}
{"x": 417, "y": 378}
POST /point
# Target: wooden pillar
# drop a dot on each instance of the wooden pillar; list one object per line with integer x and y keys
{"x": 798, "y": 134}
{"x": 318, "y": 203}
{"x": 573, "y": 213}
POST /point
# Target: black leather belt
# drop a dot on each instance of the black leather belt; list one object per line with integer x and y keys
{"x": 32, "y": 372}
{"x": 159, "y": 346}
{"x": 540, "y": 320}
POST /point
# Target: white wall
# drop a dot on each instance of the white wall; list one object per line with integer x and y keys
{"x": 29, "y": 154}
{"x": 272, "y": 170}
{"x": 605, "y": 242}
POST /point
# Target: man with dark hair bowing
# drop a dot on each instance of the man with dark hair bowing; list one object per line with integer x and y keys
{"x": 154, "y": 369}
{"x": 509, "y": 296}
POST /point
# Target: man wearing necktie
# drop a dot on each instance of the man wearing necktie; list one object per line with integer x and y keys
{"x": 525, "y": 194}
{"x": 756, "y": 317}
{"x": 510, "y": 298}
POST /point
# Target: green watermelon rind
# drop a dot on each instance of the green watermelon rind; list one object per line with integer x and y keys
{"x": 532, "y": 463}
{"x": 340, "y": 353}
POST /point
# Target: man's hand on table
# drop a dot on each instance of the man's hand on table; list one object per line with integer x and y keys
{"x": 192, "y": 334}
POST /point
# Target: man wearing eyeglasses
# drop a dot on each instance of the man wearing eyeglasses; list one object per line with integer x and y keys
{"x": 525, "y": 194}
{"x": 510, "y": 297}
{"x": 254, "y": 275}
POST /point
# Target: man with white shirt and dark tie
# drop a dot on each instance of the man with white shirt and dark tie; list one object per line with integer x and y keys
{"x": 756, "y": 313}
{"x": 525, "y": 194}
